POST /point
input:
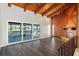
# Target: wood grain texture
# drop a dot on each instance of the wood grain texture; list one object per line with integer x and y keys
{"x": 41, "y": 47}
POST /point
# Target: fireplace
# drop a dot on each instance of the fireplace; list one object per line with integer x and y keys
{"x": 70, "y": 32}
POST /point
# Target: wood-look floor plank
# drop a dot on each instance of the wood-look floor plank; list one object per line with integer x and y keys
{"x": 42, "y": 47}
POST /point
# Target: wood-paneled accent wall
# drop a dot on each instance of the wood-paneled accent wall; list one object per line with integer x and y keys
{"x": 60, "y": 22}
{"x": 78, "y": 25}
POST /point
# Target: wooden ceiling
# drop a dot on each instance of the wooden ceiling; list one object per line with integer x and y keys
{"x": 46, "y": 9}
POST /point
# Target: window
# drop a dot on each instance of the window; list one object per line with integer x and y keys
{"x": 36, "y": 30}
{"x": 14, "y": 31}
{"x": 53, "y": 29}
{"x": 27, "y": 31}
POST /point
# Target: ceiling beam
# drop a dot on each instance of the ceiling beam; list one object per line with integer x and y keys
{"x": 31, "y": 7}
{"x": 44, "y": 8}
{"x": 54, "y": 6}
{"x": 68, "y": 11}
{"x": 9, "y": 4}
{"x": 39, "y": 7}
{"x": 19, "y": 4}
{"x": 54, "y": 9}
{"x": 25, "y": 5}
{"x": 60, "y": 10}
{"x": 22, "y": 5}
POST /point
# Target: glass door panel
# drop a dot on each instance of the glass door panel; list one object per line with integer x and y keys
{"x": 27, "y": 31}
{"x": 36, "y": 31}
{"x": 14, "y": 32}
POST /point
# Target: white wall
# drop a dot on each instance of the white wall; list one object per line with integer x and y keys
{"x": 0, "y": 25}
{"x": 17, "y": 14}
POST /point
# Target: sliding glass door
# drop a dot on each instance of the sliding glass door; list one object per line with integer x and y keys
{"x": 27, "y": 31}
{"x": 14, "y": 32}
{"x": 36, "y": 31}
